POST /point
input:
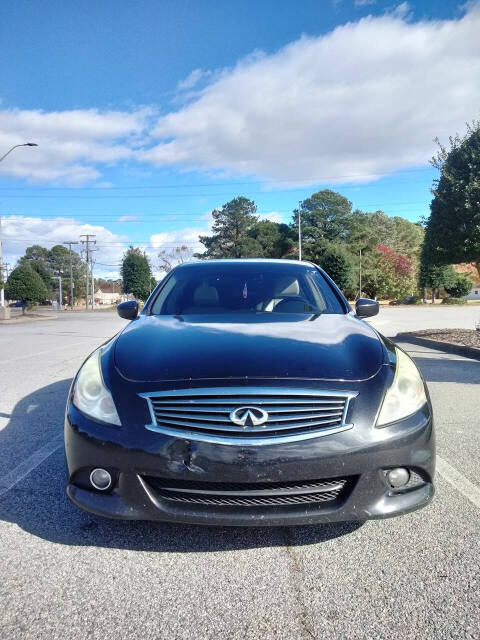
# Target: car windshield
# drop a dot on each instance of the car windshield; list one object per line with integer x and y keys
{"x": 245, "y": 288}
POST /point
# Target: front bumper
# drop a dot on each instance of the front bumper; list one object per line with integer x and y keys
{"x": 350, "y": 454}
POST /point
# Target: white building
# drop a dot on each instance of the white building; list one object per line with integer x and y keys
{"x": 109, "y": 297}
{"x": 471, "y": 271}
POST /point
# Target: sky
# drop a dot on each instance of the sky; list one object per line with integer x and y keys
{"x": 148, "y": 115}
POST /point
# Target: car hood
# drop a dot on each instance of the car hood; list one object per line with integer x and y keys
{"x": 327, "y": 347}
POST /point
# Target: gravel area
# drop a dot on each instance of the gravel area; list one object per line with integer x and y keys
{"x": 464, "y": 337}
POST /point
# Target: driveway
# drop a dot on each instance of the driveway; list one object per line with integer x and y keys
{"x": 67, "y": 575}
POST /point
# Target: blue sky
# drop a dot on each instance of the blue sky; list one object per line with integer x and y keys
{"x": 150, "y": 114}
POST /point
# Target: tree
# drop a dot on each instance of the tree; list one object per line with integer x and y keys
{"x": 36, "y": 252}
{"x": 325, "y": 218}
{"x": 171, "y": 257}
{"x": 453, "y": 228}
{"x": 41, "y": 267}
{"x": 435, "y": 277}
{"x": 396, "y": 278}
{"x": 37, "y": 258}
{"x": 460, "y": 288}
{"x": 231, "y": 226}
{"x": 275, "y": 240}
{"x": 338, "y": 266}
{"x": 26, "y": 285}
{"x": 385, "y": 274}
{"x": 50, "y": 264}
{"x": 109, "y": 286}
{"x": 136, "y": 273}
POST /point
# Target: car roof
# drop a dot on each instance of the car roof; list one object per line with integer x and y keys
{"x": 229, "y": 261}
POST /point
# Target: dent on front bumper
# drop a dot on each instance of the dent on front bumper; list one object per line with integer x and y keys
{"x": 348, "y": 455}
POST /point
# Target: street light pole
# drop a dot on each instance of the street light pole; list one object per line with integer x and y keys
{"x": 299, "y": 235}
{"x": 15, "y": 146}
{"x": 2, "y": 299}
{"x": 93, "y": 289}
{"x": 360, "y": 276}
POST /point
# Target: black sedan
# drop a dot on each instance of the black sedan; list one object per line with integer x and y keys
{"x": 247, "y": 392}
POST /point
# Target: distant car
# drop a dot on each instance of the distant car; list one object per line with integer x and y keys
{"x": 247, "y": 392}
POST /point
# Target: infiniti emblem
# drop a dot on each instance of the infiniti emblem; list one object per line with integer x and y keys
{"x": 249, "y": 416}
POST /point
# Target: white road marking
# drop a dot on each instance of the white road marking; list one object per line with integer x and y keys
{"x": 459, "y": 482}
{"x": 29, "y": 464}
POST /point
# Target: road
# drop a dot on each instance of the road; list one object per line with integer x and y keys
{"x": 66, "y": 575}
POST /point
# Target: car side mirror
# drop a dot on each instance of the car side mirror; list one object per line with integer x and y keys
{"x": 366, "y": 308}
{"x": 128, "y": 309}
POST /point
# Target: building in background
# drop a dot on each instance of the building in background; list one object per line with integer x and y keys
{"x": 103, "y": 296}
{"x": 471, "y": 271}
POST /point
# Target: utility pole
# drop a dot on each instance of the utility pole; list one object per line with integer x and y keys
{"x": 71, "y": 271}
{"x": 60, "y": 292}
{"x": 88, "y": 250}
{"x": 93, "y": 288}
{"x": 299, "y": 235}
{"x": 360, "y": 276}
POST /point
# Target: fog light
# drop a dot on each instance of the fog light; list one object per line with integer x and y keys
{"x": 398, "y": 477}
{"x": 100, "y": 479}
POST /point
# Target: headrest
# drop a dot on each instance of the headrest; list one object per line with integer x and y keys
{"x": 287, "y": 286}
{"x": 205, "y": 295}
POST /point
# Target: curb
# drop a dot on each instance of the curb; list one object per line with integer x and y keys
{"x": 31, "y": 318}
{"x": 448, "y": 347}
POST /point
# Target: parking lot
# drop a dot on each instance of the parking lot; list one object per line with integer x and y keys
{"x": 66, "y": 574}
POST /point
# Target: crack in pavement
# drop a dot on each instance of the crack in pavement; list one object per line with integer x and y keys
{"x": 296, "y": 571}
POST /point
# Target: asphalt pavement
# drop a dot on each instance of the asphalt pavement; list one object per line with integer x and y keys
{"x": 67, "y": 575}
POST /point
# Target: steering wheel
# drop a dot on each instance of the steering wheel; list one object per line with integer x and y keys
{"x": 292, "y": 304}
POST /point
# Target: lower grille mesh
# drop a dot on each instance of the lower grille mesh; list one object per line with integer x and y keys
{"x": 254, "y": 502}
{"x": 248, "y": 494}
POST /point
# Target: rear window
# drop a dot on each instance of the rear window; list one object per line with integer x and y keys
{"x": 245, "y": 288}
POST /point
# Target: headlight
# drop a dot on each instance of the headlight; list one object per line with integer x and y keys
{"x": 407, "y": 393}
{"x": 91, "y": 395}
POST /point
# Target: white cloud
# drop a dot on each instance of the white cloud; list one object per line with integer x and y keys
{"x": 367, "y": 98}
{"x": 364, "y": 100}
{"x": 73, "y": 144}
{"x": 364, "y": 3}
{"x": 273, "y": 216}
{"x": 188, "y": 236}
{"x": 401, "y": 10}
{"x": 193, "y": 78}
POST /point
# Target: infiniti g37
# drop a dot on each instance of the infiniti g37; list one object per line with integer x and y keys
{"x": 248, "y": 392}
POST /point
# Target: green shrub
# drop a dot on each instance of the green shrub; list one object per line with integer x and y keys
{"x": 452, "y": 300}
{"x": 461, "y": 287}
{"x": 26, "y": 285}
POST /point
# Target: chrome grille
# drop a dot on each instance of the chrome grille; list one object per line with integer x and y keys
{"x": 205, "y": 414}
{"x": 248, "y": 494}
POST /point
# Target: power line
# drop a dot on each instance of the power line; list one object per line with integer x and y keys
{"x": 309, "y": 180}
{"x": 182, "y": 212}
